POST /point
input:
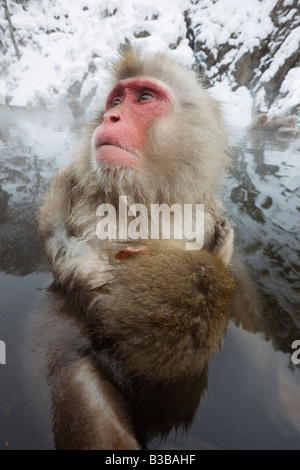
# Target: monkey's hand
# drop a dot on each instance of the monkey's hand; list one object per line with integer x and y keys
{"x": 131, "y": 252}
{"x": 223, "y": 241}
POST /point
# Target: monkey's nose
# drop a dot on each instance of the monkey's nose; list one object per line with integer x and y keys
{"x": 113, "y": 117}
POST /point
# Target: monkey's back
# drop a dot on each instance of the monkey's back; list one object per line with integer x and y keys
{"x": 166, "y": 313}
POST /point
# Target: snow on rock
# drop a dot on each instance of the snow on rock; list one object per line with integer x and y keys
{"x": 65, "y": 44}
{"x": 289, "y": 92}
{"x": 236, "y": 106}
{"x": 247, "y": 52}
{"x": 254, "y": 44}
{"x": 2, "y": 92}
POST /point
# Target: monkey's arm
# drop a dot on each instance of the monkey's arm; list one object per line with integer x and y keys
{"x": 74, "y": 262}
{"x": 88, "y": 410}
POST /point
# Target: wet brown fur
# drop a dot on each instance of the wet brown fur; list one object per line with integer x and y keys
{"x": 166, "y": 313}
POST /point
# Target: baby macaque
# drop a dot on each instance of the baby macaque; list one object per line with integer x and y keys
{"x": 157, "y": 324}
{"x": 166, "y": 311}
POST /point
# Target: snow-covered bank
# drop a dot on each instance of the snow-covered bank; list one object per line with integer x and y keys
{"x": 248, "y": 53}
{"x": 255, "y": 44}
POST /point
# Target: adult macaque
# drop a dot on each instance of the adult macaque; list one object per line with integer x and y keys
{"x": 280, "y": 125}
{"x": 159, "y": 140}
{"x": 259, "y": 121}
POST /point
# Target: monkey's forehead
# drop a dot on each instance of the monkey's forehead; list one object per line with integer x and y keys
{"x": 141, "y": 84}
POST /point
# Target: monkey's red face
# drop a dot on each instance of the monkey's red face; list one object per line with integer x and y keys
{"x": 131, "y": 108}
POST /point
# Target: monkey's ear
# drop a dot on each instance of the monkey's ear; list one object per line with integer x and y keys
{"x": 130, "y": 252}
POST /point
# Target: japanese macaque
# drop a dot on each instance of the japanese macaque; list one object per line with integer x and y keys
{"x": 134, "y": 318}
{"x": 280, "y": 125}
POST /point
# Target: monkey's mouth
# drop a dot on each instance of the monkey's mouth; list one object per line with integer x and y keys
{"x": 115, "y": 153}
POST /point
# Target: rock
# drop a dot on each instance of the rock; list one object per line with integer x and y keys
{"x": 77, "y": 110}
{"x": 2, "y": 93}
{"x": 4, "y": 197}
{"x": 261, "y": 65}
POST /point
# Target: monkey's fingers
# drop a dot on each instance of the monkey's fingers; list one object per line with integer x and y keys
{"x": 222, "y": 229}
{"x": 223, "y": 241}
{"x": 130, "y": 252}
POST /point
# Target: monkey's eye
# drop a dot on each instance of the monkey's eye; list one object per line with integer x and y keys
{"x": 115, "y": 102}
{"x": 145, "y": 97}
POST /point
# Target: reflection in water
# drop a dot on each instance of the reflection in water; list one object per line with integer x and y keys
{"x": 31, "y": 151}
{"x": 253, "y": 392}
{"x": 264, "y": 193}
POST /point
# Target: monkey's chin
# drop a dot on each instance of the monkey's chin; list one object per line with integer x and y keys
{"x": 114, "y": 155}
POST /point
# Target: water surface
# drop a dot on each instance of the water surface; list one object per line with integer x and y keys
{"x": 253, "y": 395}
